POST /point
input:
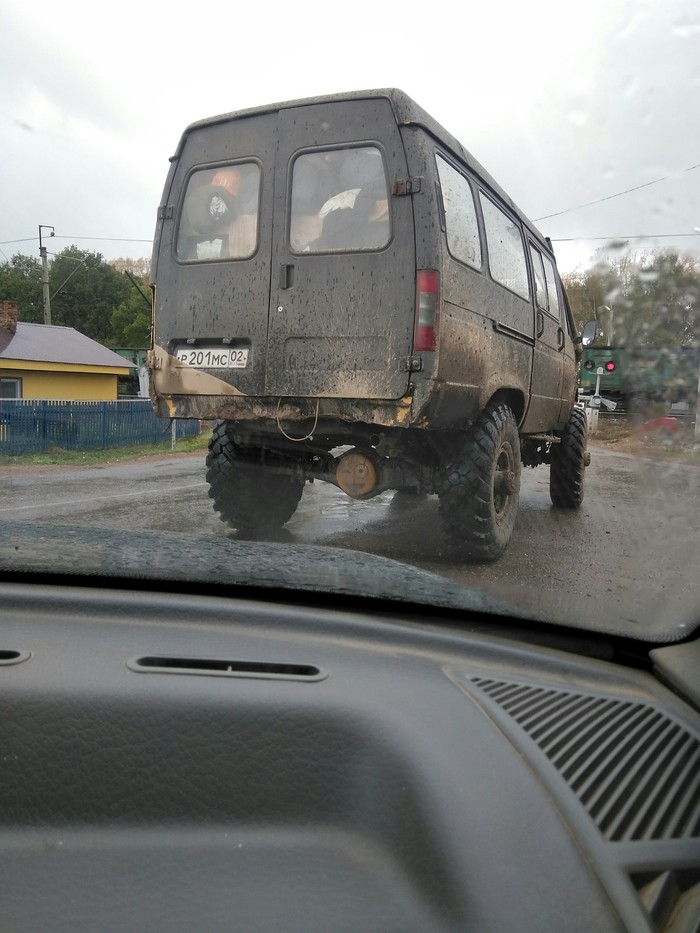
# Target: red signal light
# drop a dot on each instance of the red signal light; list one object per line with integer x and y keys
{"x": 610, "y": 366}
{"x": 427, "y": 313}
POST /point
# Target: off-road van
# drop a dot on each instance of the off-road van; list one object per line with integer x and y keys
{"x": 352, "y": 298}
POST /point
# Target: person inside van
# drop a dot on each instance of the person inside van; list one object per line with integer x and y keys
{"x": 357, "y": 217}
{"x": 310, "y": 189}
{"x": 208, "y": 210}
{"x": 220, "y": 215}
{"x": 243, "y": 232}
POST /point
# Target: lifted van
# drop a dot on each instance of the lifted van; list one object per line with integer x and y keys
{"x": 352, "y": 298}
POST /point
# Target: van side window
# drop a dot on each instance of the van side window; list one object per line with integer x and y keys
{"x": 552, "y": 292}
{"x": 340, "y": 201}
{"x": 540, "y": 282}
{"x": 219, "y": 216}
{"x": 505, "y": 249}
{"x": 460, "y": 215}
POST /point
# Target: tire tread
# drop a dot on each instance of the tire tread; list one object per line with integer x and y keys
{"x": 245, "y": 495}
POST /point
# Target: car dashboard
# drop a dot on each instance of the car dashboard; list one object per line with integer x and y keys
{"x": 184, "y": 760}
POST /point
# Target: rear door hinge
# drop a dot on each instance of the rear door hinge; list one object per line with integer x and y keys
{"x": 405, "y": 186}
{"x": 412, "y": 364}
{"x": 165, "y": 213}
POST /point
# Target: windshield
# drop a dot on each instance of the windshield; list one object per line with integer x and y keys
{"x": 334, "y": 344}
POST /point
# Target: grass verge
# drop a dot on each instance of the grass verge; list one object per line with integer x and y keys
{"x": 658, "y": 439}
{"x": 56, "y": 456}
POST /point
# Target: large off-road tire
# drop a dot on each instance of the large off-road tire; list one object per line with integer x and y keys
{"x": 480, "y": 489}
{"x": 252, "y": 497}
{"x": 568, "y": 463}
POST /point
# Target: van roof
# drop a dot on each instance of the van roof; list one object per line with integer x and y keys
{"x": 407, "y": 113}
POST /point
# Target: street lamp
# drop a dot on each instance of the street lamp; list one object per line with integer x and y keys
{"x": 45, "y": 273}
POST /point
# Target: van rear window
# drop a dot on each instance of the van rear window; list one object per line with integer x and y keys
{"x": 340, "y": 201}
{"x": 219, "y": 216}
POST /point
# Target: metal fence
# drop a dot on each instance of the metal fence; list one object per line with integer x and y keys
{"x": 34, "y": 425}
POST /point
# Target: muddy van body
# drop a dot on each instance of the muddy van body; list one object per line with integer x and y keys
{"x": 352, "y": 298}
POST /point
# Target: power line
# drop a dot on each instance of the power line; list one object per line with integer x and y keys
{"x": 614, "y": 239}
{"x": 618, "y": 195}
{"x": 112, "y": 239}
{"x": 573, "y": 239}
{"x": 566, "y": 210}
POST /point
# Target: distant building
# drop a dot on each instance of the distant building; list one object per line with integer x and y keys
{"x": 41, "y": 361}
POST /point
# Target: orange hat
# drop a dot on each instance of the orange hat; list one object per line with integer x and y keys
{"x": 227, "y": 178}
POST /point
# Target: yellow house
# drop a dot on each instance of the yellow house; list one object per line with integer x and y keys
{"x": 41, "y": 361}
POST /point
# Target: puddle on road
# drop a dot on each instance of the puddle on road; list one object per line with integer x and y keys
{"x": 342, "y": 506}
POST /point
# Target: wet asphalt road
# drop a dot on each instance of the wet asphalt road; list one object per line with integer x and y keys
{"x": 629, "y": 557}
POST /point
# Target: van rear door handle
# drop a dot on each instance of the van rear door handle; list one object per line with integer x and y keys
{"x": 286, "y": 274}
{"x": 560, "y": 339}
{"x": 540, "y": 323}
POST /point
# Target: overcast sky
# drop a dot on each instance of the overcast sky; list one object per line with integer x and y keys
{"x": 564, "y": 104}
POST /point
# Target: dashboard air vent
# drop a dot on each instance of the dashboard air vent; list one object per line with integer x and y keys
{"x": 635, "y": 770}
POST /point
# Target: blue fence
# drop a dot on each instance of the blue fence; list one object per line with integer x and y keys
{"x": 32, "y": 425}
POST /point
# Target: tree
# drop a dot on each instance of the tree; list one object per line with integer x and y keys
{"x": 139, "y": 268}
{"x": 651, "y": 301}
{"x": 131, "y": 322}
{"x": 85, "y": 291}
{"x": 661, "y": 308}
{"x": 594, "y": 292}
{"x": 107, "y": 303}
{"x": 20, "y": 280}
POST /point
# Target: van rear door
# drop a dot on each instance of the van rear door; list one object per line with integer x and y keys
{"x": 343, "y": 255}
{"x": 213, "y": 255}
{"x": 269, "y": 282}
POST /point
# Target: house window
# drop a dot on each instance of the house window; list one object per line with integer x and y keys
{"x": 10, "y": 388}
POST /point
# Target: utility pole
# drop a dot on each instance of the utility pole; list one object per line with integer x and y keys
{"x": 45, "y": 274}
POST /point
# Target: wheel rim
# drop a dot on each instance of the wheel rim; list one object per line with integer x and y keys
{"x": 503, "y": 480}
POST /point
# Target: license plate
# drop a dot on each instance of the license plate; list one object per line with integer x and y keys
{"x": 214, "y": 357}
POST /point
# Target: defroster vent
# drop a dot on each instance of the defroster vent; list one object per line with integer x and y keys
{"x": 635, "y": 769}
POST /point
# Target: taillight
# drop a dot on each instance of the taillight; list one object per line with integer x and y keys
{"x": 610, "y": 366}
{"x": 427, "y": 316}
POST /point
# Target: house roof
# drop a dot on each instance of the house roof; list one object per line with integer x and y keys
{"x": 45, "y": 343}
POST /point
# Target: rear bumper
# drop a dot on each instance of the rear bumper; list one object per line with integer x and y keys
{"x": 394, "y": 413}
{"x": 179, "y": 391}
